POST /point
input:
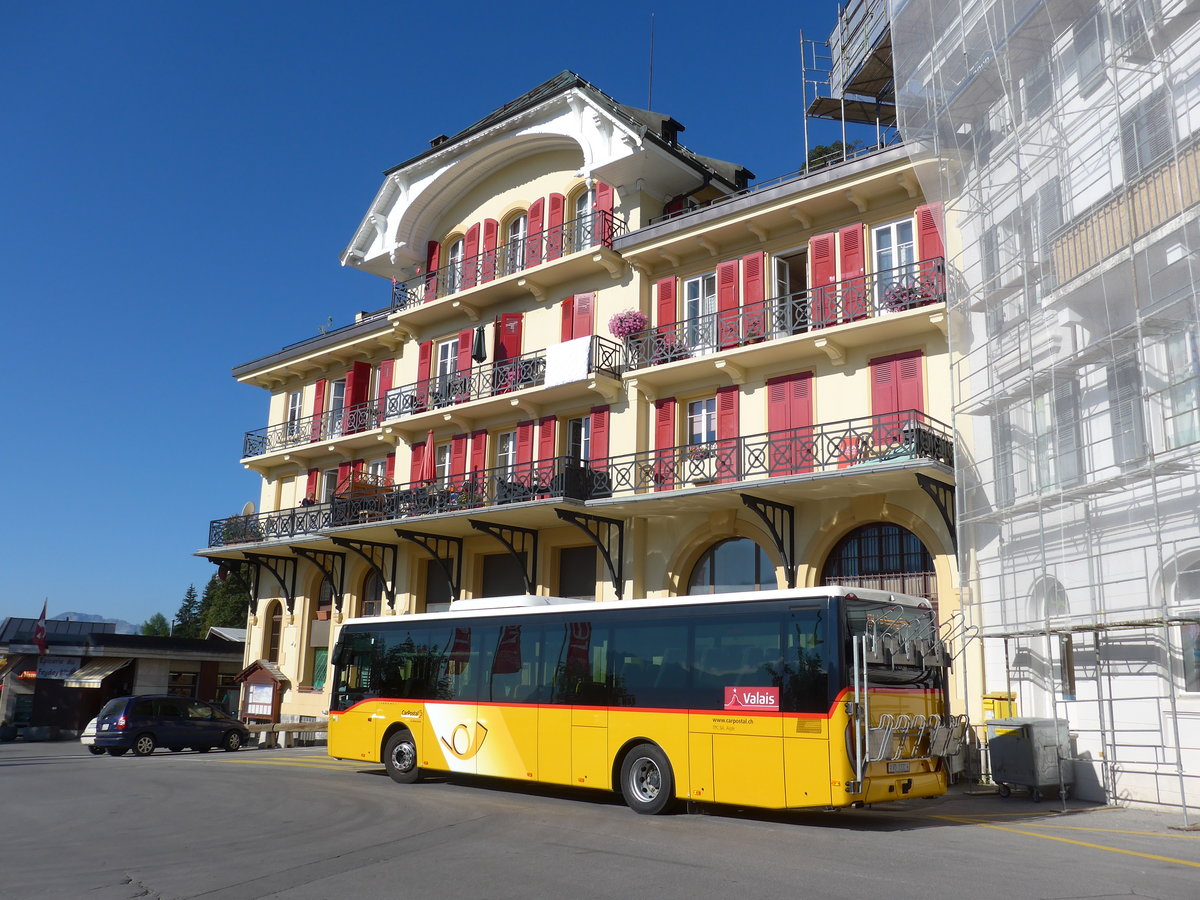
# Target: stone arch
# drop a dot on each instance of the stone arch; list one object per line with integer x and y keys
{"x": 702, "y": 538}
{"x": 885, "y": 556}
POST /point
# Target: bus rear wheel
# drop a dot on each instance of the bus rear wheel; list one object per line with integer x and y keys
{"x": 400, "y": 758}
{"x": 647, "y": 783}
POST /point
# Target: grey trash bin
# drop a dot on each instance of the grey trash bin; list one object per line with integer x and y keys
{"x": 1030, "y": 753}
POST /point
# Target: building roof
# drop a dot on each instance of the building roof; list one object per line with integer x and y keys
{"x": 17, "y": 630}
{"x": 227, "y": 634}
{"x": 660, "y": 128}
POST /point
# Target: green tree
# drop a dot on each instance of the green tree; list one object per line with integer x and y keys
{"x": 187, "y": 620}
{"x": 828, "y": 154}
{"x": 156, "y": 626}
{"x": 224, "y": 603}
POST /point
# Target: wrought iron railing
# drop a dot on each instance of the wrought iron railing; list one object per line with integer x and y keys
{"x": 851, "y": 300}
{"x": 487, "y": 380}
{"x": 874, "y": 440}
{"x": 596, "y": 229}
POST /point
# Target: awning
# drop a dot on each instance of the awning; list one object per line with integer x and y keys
{"x": 91, "y": 673}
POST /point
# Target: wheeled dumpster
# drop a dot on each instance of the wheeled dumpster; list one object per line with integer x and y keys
{"x": 1030, "y": 753}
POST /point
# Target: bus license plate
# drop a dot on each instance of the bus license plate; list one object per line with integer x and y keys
{"x": 898, "y": 768}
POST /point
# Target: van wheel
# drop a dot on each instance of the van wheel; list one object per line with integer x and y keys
{"x": 647, "y": 783}
{"x": 232, "y": 741}
{"x": 97, "y": 751}
{"x": 117, "y": 751}
{"x": 143, "y": 745}
{"x": 400, "y": 758}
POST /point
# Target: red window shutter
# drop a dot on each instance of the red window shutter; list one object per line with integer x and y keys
{"x": 910, "y": 393}
{"x": 471, "y": 256}
{"x": 533, "y": 243}
{"x": 602, "y": 218}
{"x": 386, "y": 370}
{"x": 664, "y": 442}
{"x": 318, "y": 407}
{"x": 547, "y": 434}
{"x": 487, "y": 262}
{"x": 478, "y": 452}
{"x": 524, "y": 443}
{"x": 599, "y": 437}
{"x": 356, "y": 465}
{"x": 754, "y": 318}
{"x": 584, "y": 324}
{"x": 728, "y": 314}
{"x": 852, "y": 243}
{"x": 358, "y": 384}
{"x": 458, "y": 457}
{"x": 822, "y": 273}
{"x": 433, "y": 251}
{"x": 389, "y": 470}
{"x": 310, "y": 490}
{"x": 929, "y": 237}
{"x": 568, "y": 319}
{"x": 465, "y": 338}
{"x": 896, "y": 387}
{"x": 664, "y": 292}
{"x": 418, "y": 457}
{"x": 508, "y": 337}
{"x": 343, "y": 478}
{"x": 728, "y": 460}
{"x": 424, "y": 370}
{"x": 554, "y": 225}
{"x": 789, "y": 420}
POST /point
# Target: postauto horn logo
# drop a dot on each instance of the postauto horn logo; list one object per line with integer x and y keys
{"x": 752, "y": 698}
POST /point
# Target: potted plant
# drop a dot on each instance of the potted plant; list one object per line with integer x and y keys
{"x": 625, "y": 324}
{"x": 8, "y": 731}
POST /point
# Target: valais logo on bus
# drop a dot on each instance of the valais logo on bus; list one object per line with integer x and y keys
{"x": 752, "y": 698}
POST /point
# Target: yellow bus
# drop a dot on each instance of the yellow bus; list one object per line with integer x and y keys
{"x": 816, "y": 697}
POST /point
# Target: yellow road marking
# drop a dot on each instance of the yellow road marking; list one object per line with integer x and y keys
{"x": 1063, "y": 840}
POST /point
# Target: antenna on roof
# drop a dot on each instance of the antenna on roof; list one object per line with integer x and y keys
{"x": 650, "y": 86}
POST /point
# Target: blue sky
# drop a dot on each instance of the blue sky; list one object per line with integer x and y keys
{"x": 178, "y": 182}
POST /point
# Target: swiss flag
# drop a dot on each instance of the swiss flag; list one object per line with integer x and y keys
{"x": 39, "y": 631}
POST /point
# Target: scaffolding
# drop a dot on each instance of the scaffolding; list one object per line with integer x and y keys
{"x": 1066, "y": 143}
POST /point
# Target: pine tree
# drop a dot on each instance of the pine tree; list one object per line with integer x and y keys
{"x": 223, "y": 604}
{"x": 187, "y": 620}
{"x": 156, "y": 626}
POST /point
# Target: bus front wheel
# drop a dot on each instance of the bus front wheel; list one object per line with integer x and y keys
{"x": 400, "y": 758}
{"x": 647, "y": 783}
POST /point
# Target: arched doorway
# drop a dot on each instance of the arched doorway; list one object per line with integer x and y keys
{"x": 372, "y": 595}
{"x": 734, "y": 564}
{"x": 883, "y": 556}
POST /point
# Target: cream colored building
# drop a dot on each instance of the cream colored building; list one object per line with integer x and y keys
{"x": 772, "y": 413}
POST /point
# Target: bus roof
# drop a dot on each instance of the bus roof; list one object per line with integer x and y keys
{"x": 532, "y": 604}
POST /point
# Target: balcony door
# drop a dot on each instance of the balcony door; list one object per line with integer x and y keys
{"x": 700, "y": 313}
{"x": 337, "y": 406}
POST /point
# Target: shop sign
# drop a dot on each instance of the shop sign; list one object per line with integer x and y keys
{"x": 57, "y": 666}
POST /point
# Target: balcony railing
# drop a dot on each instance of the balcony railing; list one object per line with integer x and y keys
{"x": 851, "y": 300}
{"x": 597, "y": 229}
{"x": 478, "y": 382}
{"x": 853, "y": 443}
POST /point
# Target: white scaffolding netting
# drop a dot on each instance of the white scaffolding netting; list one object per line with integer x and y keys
{"x": 1064, "y": 140}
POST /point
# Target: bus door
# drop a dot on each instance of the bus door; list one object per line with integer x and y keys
{"x": 582, "y": 684}
{"x": 353, "y": 703}
{"x": 806, "y": 697}
{"x": 734, "y": 677}
{"x": 507, "y": 712}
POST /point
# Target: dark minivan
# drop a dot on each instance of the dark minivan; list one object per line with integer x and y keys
{"x": 142, "y": 723}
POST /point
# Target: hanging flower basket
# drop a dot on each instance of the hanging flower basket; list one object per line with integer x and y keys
{"x": 627, "y": 323}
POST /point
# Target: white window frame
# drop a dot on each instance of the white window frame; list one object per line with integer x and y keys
{"x": 579, "y": 439}
{"x": 702, "y": 421}
{"x": 442, "y": 463}
{"x": 337, "y": 406}
{"x": 295, "y": 411}
{"x": 454, "y": 266}
{"x": 329, "y": 483}
{"x": 518, "y": 234}
{"x": 377, "y": 468}
{"x": 506, "y": 453}
{"x": 700, "y": 312}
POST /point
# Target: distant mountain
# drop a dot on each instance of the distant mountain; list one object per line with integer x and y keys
{"x": 123, "y": 627}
